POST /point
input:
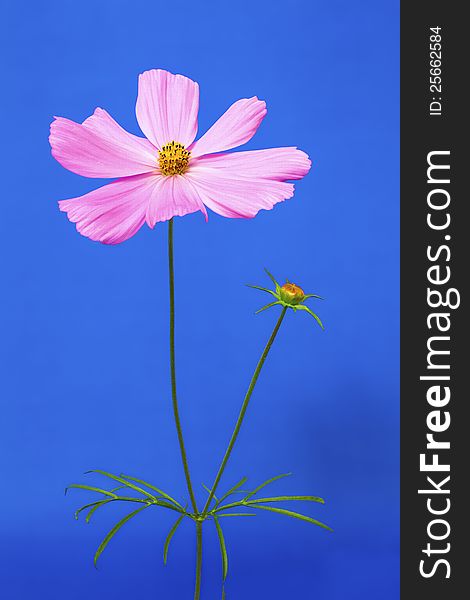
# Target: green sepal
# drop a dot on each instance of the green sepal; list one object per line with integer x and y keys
{"x": 310, "y": 312}
{"x": 267, "y": 306}
{"x": 257, "y": 287}
{"x": 271, "y": 277}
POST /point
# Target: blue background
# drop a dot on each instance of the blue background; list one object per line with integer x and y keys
{"x": 84, "y": 352}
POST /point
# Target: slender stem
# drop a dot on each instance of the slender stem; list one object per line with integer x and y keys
{"x": 241, "y": 416}
{"x": 197, "y": 588}
{"x": 173, "y": 366}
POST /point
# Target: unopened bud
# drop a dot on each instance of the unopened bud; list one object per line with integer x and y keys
{"x": 291, "y": 293}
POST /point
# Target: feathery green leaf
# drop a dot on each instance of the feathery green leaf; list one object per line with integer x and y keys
{"x": 155, "y": 489}
{"x": 209, "y": 491}
{"x": 286, "y": 499}
{"x": 289, "y": 513}
{"x": 90, "y": 488}
{"x": 265, "y": 483}
{"x": 223, "y": 548}
{"x": 236, "y": 515}
{"x": 124, "y": 482}
{"x": 90, "y": 505}
{"x": 92, "y": 511}
{"x": 114, "y": 530}
{"x": 236, "y": 504}
{"x": 169, "y": 538}
{"x": 232, "y": 490}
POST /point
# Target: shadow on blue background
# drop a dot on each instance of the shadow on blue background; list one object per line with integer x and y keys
{"x": 84, "y": 351}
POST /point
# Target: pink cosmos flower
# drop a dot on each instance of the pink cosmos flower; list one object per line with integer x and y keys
{"x": 169, "y": 173}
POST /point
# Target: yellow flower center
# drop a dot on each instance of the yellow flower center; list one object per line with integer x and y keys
{"x": 173, "y": 159}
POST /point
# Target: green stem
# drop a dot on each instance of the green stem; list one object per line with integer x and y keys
{"x": 243, "y": 409}
{"x": 173, "y": 367}
{"x": 197, "y": 587}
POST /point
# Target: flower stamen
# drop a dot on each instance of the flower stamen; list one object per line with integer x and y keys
{"x": 173, "y": 159}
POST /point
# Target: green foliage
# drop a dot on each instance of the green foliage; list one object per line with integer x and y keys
{"x": 221, "y": 508}
{"x": 170, "y": 536}
{"x": 235, "y": 515}
{"x": 115, "y": 529}
{"x": 161, "y": 499}
{"x": 289, "y": 513}
{"x": 265, "y": 483}
{"x": 90, "y": 489}
{"x": 232, "y": 490}
{"x": 251, "y": 501}
{"x": 208, "y": 490}
{"x": 92, "y": 511}
{"x": 288, "y": 498}
{"x": 223, "y": 548}
{"x": 155, "y": 489}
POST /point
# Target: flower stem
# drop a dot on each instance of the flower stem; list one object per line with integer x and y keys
{"x": 243, "y": 409}
{"x": 173, "y": 367}
{"x": 197, "y": 588}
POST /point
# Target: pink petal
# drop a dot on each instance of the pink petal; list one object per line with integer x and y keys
{"x": 234, "y": 128}
{"x": 173, "y": 196}
{"x": 115, "y": 212}
{"x": 167, "y": 107}
{"x": 279, "y": 164}
{"x": 99, "y": 147}
{"x": 235, "y": 196}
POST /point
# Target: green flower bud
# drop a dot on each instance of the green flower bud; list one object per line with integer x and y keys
{"x": 291, "y": 294}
